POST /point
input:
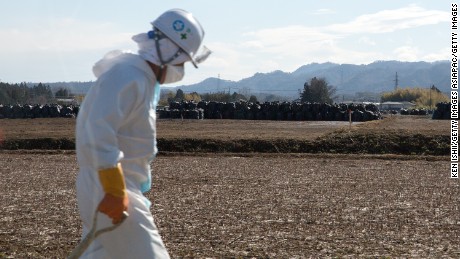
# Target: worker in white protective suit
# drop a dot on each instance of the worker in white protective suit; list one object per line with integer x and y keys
{"x": 116, "y": 137}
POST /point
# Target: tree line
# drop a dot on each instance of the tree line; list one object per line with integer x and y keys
{"x": 168, "y": 97}
{"x": 314, "y": 90}
{"x": 318, "y": 90}
{"x": 23, "y": 94}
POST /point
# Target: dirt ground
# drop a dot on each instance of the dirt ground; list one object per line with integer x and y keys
{"x": 249, "y": 205}
{"x": 231, "y": 129}
{"x": 273, "y": 206}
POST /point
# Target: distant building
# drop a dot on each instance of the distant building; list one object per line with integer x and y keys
{"x": 67, "y": 101}
{"x": 396, "y": 105}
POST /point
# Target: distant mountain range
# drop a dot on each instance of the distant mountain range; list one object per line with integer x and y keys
{"x": 376, "y": 77}
{"x": 349, "y": 79}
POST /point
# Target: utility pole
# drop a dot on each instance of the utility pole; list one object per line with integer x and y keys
{"x": 218, "y": 82}
{"x": 431, "y": 89}
{"x": 396, "y": 81}
{"x": 341, "y": 76}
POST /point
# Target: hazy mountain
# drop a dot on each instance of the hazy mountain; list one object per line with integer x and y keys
{"x": 349, "y": 79}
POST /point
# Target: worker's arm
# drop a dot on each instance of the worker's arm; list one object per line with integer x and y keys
{"x": 115, "y": 200}
{"x": 112, "y": 106}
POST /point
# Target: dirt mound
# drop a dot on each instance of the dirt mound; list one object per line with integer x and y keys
{"x": 39, "y": 143}
{"x": 393, "y": 142}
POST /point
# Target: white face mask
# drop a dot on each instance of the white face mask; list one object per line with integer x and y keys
{"x": 173, "y": 74}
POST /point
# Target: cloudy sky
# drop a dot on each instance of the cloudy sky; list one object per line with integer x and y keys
{"x": 55, "y": 40}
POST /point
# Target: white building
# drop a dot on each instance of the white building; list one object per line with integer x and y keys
{"x": 396, "y": 105}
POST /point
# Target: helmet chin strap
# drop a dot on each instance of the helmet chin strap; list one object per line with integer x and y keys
{"x": 157, "y": 35}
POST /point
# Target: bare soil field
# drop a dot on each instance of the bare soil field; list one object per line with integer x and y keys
{"x": 230, "y": 129}
{"x": 214, "y": 129}
{"x": 406, "y": 135}
{"x": 251, "y": 206}
{"x": 358, "y": 197}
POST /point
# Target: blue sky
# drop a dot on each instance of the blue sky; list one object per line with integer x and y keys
{"x": 56, "y": 40}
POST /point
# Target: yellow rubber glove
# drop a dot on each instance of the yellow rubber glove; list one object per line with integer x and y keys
{"x": 115, "y": 200}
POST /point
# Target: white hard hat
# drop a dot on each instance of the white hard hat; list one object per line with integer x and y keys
{"x": 182, "y": 28}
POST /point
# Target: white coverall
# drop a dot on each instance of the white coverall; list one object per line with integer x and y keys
{"x": 116, "y": 124}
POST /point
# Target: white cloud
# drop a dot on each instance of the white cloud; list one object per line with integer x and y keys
{"x": 288, "y": 41}
{"x": 255, "y": 44}
{"x": 442, "y": 54}
{"x": 407, "y": 53}
{"x": 367, "y": 41}
{"x": 391, "y": 20}
{"x": 292, "y": 46}
{"x": 57, "y": 49}
{"x": 265, "y": 50}
{"x": 62, "y": 35}
{"x": 323, "y": 11}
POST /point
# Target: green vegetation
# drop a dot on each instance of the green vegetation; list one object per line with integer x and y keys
{"x": 421, "y": 97}
{"x": 22, "y": 94}
{"x": 63, "y": 93}
{"x": 318, "y": 90}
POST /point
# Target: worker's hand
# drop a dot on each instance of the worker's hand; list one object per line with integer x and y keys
{"x": 114, "y": 207}
{"x": 115, "y": 200}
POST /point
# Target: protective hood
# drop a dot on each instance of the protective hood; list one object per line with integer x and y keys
{"x": 117, "y": 56}
{"x": 148, "y": 51}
